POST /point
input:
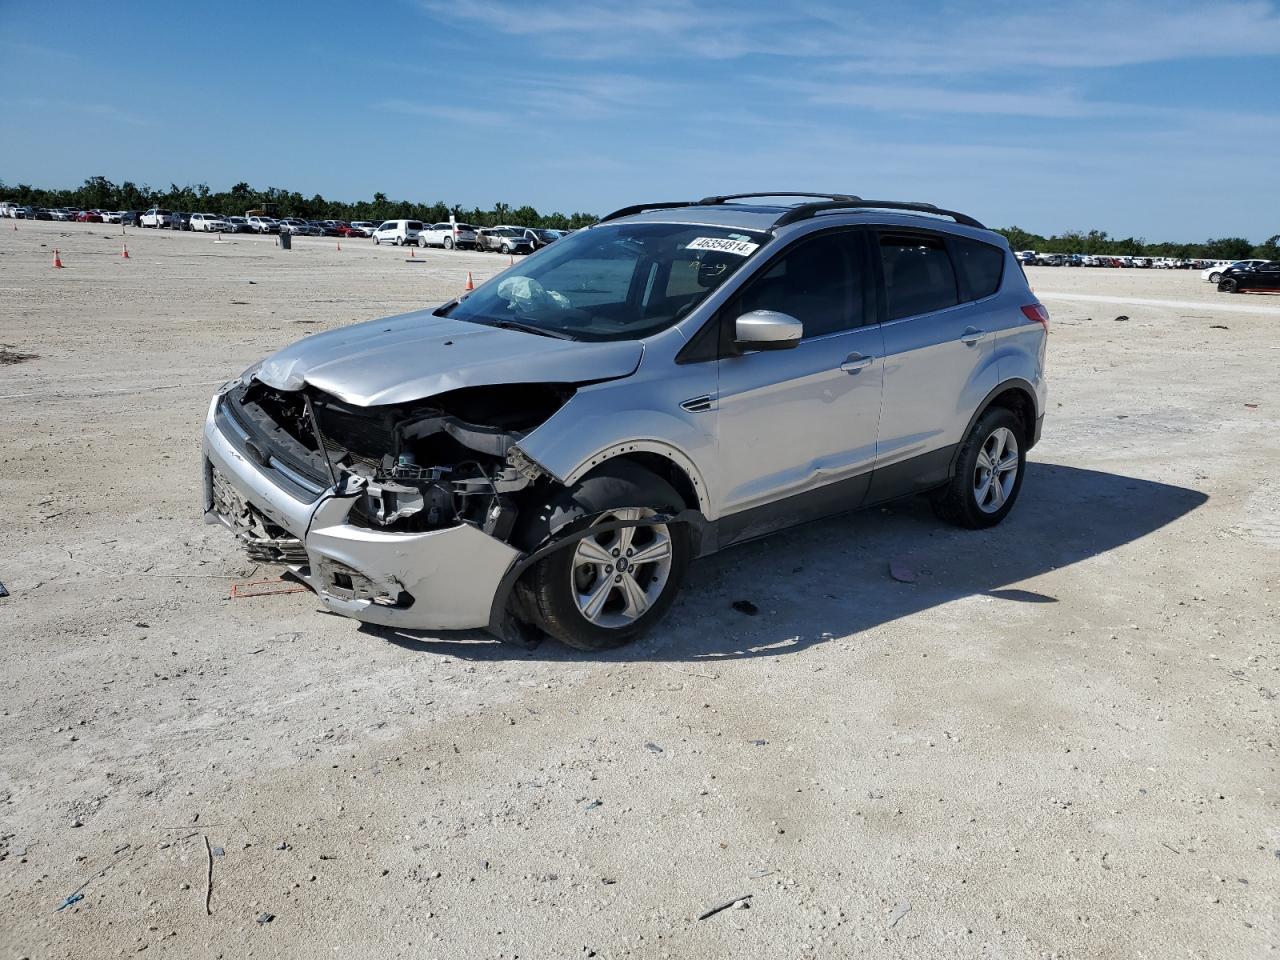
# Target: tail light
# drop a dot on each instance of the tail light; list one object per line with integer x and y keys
{"x": 1038, "y": 313}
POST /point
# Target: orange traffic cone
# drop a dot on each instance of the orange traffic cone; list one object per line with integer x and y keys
{"x": 471, "y": 284}
{"x": 57, "y": 259}
{"x": 124, "y": 254}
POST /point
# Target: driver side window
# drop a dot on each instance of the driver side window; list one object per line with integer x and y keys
{"x": 817, "y": 281}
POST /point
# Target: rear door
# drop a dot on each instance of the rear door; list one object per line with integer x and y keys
{"x": 797, "y": 427}
{"x": 939, "y": 336}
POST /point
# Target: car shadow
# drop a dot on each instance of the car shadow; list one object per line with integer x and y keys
{"x": 832, "y": 579}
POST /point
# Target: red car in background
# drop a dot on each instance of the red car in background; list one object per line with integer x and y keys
{"x": 88, "y": 216}
{"x": 347, "y": 230}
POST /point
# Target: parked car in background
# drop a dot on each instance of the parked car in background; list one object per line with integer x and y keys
{"x": 322, "y": 228}
{"x": 63, "y": 214}
{"x": 208, "y": 223}
{"x": 156, "y": 217}
{"x": 88, "y": 216}
{"x": 1215, "y": 273}
{"x": 361, "y": 228}
{"x": 398, "y": 232}
{"x": 509, "y": 240}
{"x": 263, "y": 224}
{"x": 292, "y": 225}
{"x": 1263, "y": 276}
{"x": 39, "y": 213}
{"x": 1026, "y": 257}
{"x": 237, "y": 225}
{"x": 539, "y": 238}
{"x": 350, "y": 230}
{"x": 448, "y": 236}
{"x": 180, "y": 221}
{"x": 131, "y": 218}
{"x": 111, "y": 216}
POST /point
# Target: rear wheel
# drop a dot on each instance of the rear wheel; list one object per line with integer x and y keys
{"x": 448, "y": 243}
{"x": 988, "y": 473}
{"x": 1215, "y": 277}
{"x": 1228, "y": 285}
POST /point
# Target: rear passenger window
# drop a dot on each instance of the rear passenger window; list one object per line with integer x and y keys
{"x": 918, "y": 276}
{"x": 980, "y": 266}
{"x": 817, "y": 281}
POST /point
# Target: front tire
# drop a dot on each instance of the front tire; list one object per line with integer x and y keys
{"x": 607, "y": 588}
{"x": 989, "y": 471}
{"x": 1228, "y": 285}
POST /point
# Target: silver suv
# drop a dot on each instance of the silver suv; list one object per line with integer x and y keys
{"x": 548, "y": 453}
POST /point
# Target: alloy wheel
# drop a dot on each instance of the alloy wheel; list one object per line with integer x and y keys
{"x": 996, "y": 470}
{"x": 617, "y": 575}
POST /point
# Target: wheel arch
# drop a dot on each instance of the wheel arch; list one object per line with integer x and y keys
{"x": 1016, "y": 395}
{"x": 663, "y": 459}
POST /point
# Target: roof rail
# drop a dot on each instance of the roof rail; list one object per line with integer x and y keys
{"x": 807, "y": 211}
{"x": 642, "y": 207}
{"x": 781, "y": 193}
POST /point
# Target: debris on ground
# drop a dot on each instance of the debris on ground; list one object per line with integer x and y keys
{"x": 266, "y": 917}
{"x": 746, "y": 606}
{"x": 1218, "y": 326}
{"x": 739, "y": 903}
{"x": 900, "y": 912}
{"x": 1121, "y": 319}
{"x": 265, "y": 588}
{"x": 653, "y": 748}
{"x": 208, "y": 879}
{"x": 901, "y": 572}
{"x": 4, "y": 591}
{"x": 74, "y": 898}
{"x": 8, "y": 356}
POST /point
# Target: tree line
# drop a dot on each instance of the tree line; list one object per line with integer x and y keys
{"x": 101, "y": 193}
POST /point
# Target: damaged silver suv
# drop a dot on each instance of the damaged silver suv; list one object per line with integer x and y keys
{"x": 546, "y": 454}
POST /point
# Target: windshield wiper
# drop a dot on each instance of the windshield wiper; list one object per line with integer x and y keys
{"x": 530, "y": 328}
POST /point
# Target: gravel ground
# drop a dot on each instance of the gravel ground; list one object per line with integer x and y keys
{"x": 1060, "y": 741}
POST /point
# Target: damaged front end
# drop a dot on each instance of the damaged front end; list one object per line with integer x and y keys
{"x": 402, "y": 514}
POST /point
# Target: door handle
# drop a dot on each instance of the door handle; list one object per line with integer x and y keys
{"x": 855, "y": 362}
{"x": 972, "y": 335}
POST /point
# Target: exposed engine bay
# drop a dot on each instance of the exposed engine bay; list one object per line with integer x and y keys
{"x": 436, "y": 463}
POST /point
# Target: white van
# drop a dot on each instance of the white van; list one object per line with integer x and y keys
{"x": 398, "y": 232}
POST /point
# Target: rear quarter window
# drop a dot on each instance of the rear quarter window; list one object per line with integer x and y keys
{"x": 980, "y": 266}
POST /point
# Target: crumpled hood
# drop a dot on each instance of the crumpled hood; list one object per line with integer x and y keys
{"x": 418, "y": 355}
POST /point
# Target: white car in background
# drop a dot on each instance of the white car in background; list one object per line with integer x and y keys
{"x": 111, "y": 216}
{"x": 208, "y": 222}
{"x": 264, "y": 225}
{"x": 398, "y": 232}
{"x": 156, "y": 217}
{"x": 1214, "y": 273}
{"x": 448, "y": 235}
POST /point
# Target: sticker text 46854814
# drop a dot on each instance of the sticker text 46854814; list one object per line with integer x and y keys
{"x": 742, "y": 248}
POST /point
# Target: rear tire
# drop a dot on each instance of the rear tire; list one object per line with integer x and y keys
{"x": 989, "y": 470}
{"x": 448, "y": 243}
{"x": 1228, "y": 285}
{"x": 1215, "y": 277}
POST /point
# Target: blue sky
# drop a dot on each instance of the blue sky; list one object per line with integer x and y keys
{"x": 1159, "y": 120}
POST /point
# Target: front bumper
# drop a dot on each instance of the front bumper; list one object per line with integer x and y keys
{"x": 442, "y": 579}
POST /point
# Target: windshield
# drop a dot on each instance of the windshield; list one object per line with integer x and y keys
{"x": 614, "y": 282}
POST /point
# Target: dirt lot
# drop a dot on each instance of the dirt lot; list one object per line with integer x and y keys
{"x": 1061, "y": 741}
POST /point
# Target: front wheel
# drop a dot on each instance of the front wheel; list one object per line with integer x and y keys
{"x": 1228, "y": 285}
{"x": 611, "y": 586}
{"x": 988, "y": 473}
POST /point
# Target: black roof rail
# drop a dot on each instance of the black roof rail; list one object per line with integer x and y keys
{"x": 807, "y": 211}
{"x": 781, "y": 193}
{"x": 642, "y": 207}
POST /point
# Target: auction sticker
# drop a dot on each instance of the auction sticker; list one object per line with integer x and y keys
{"x": 741, "y": 247}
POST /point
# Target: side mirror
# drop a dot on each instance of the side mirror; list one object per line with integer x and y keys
{"x": 767, "y": 330}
